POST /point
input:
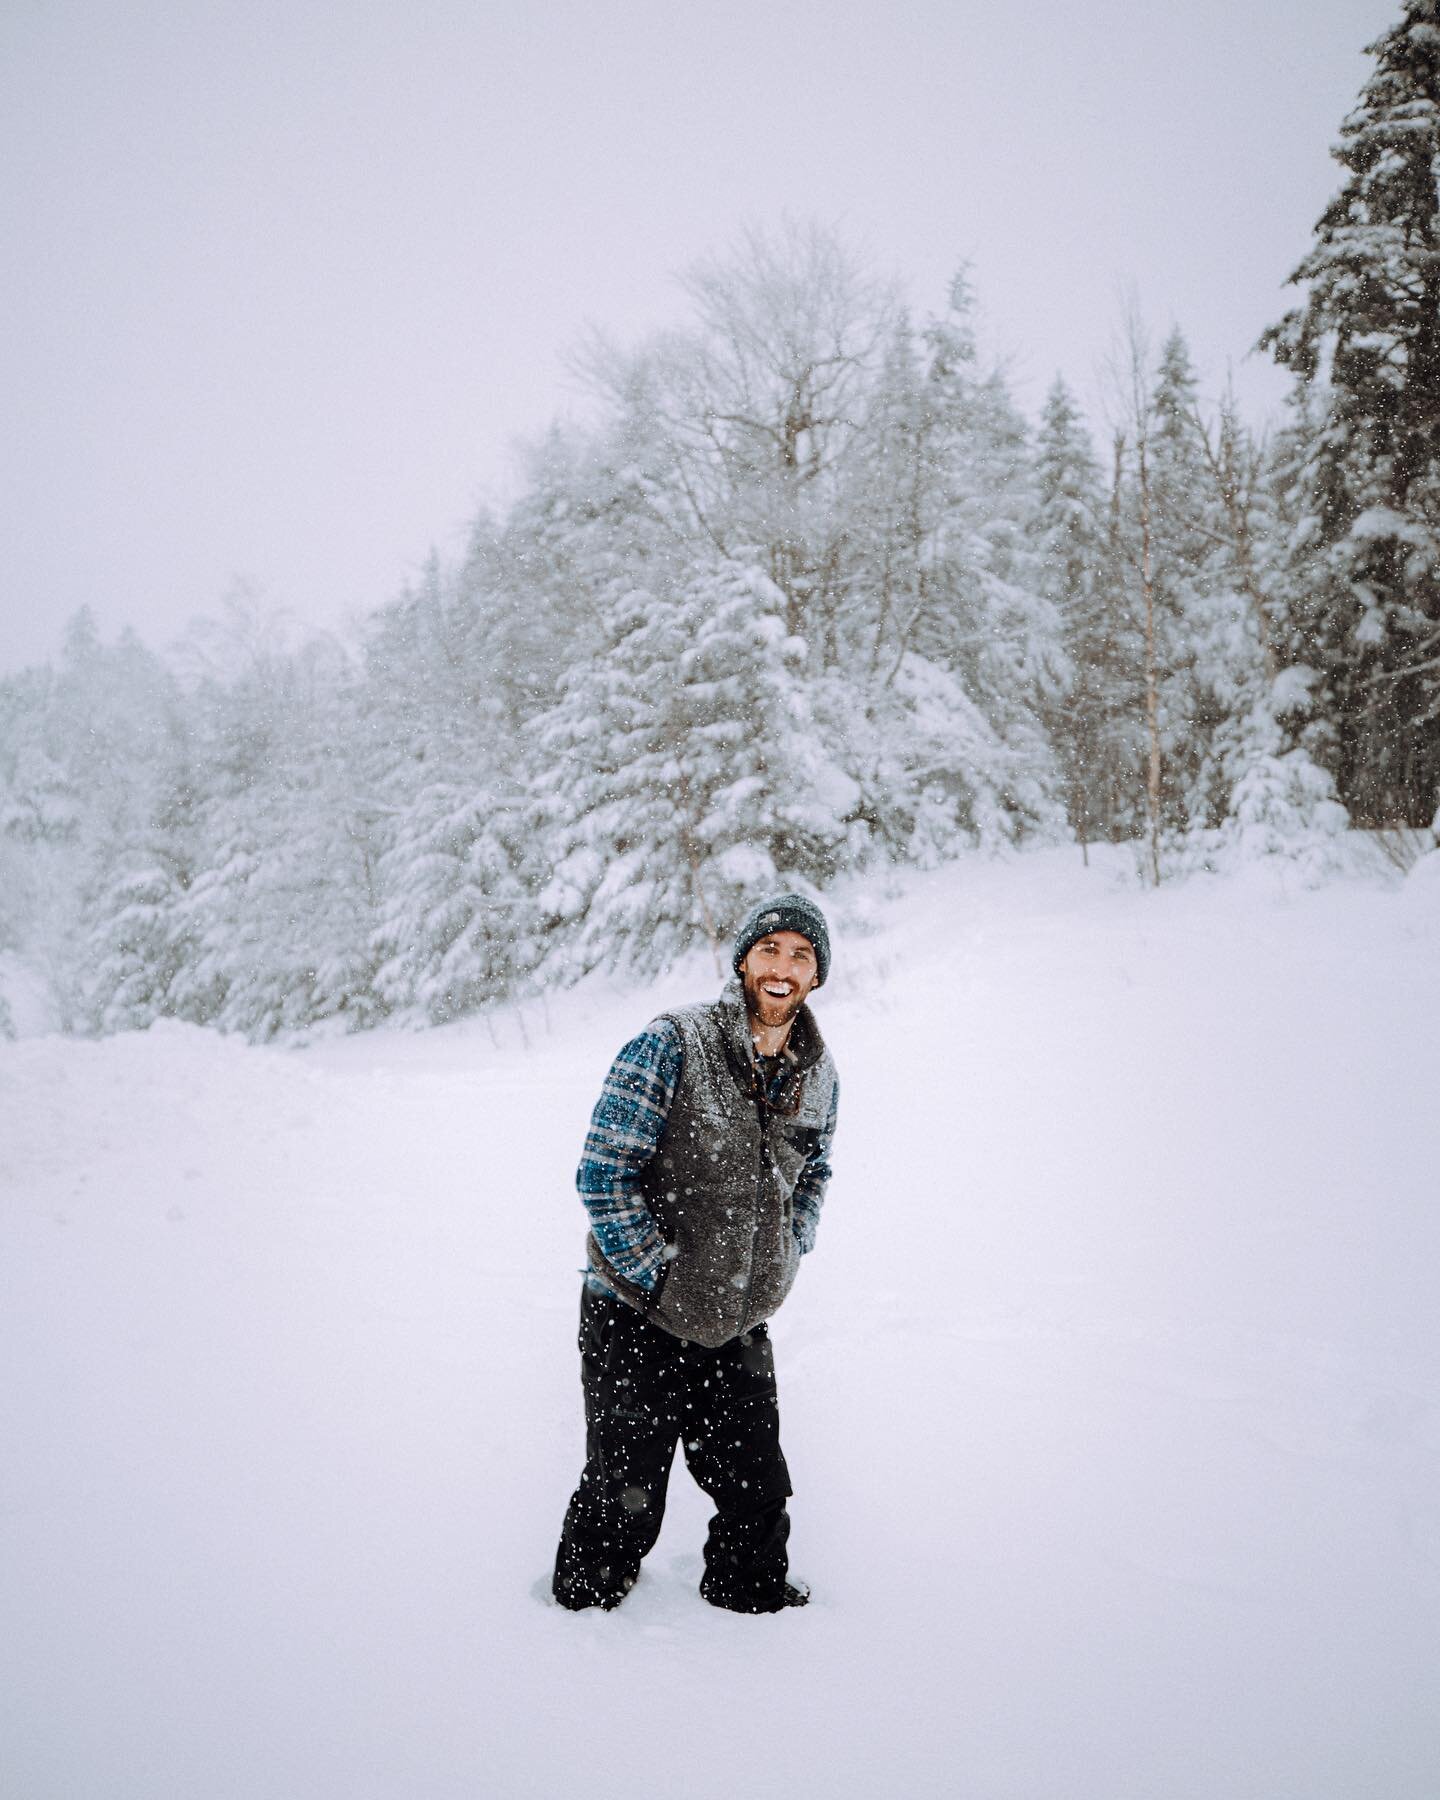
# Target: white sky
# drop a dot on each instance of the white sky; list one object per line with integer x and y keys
{"x": 285, "y": 280}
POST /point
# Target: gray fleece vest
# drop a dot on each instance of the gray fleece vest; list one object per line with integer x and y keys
{"x": 721, "y": 1182}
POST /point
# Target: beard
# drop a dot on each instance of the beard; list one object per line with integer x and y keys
{"x": 765, "y": 1009}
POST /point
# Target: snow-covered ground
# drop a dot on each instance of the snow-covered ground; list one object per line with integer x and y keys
{"x": 1111, "y": 1395}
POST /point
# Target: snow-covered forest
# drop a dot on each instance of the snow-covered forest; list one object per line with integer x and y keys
{"x": 807, "y": 594}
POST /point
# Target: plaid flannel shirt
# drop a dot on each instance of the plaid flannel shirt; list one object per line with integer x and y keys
{"x": 625, "y": 1131}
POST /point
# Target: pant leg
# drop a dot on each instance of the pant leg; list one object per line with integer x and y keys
{"x": 631, "y": 1424}
{"x": 731, "y": 1436}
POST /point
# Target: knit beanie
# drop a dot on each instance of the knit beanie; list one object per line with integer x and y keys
{"x": 786, "y": 912}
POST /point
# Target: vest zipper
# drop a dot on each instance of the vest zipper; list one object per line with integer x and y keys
{"x": 760, "y": 1110}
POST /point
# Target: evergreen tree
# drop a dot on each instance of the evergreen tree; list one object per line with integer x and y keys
{"x": 85, "y": 744}
{"x": 1271, "y": 798}
{"x": 451, "y": 931}
{"x": 281, "y": 907}
{"x": 1370, "y": 323}
{"x": 987, "y": 622}
{"x": 903, "y": 728}
{"x": 443, "y": 777}
{"x": 683, "y": 771}
{"x": 1190, "y": 629}
{"x": 1095, "y": 719}
{"x": 892, "y": 501}
{"x": 139, "y": 950}
{"x": 1171, "y": 525}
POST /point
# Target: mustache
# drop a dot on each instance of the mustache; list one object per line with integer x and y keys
{"x": 757, "y": 991}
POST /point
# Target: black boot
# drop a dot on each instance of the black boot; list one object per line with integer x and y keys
{"x": 577, "y": 1594}
{"x": 794, "y": 1593}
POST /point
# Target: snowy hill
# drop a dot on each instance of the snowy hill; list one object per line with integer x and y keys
{"x": 1111, "y": 1395}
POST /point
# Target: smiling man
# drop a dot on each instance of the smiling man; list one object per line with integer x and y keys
{"x": 703, "y": 1174}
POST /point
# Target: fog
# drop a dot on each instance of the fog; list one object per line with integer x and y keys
{"x": 284, "y": 284}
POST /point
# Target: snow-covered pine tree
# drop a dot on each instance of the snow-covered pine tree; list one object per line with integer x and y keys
{"x": 40, "y": 799}
{"x": 1167, "y": 531}
{"x": 1276, "y": 799}
{"x": 228, "y": 948}
{"x": 1095, "y": 721}
{"x": 891, "y": 501}
{"x": 986, "y": 625}
{"x": 895, "y": 721}
{"x": 88, "y": 737}
{"x": 41, "y": 813}
{"x": 1132, "y": 551}
{"x": 1194, "y": 607}
{"x": 531, "y": 584}
{"x": 444, "y": 774}
{"x": 281, "y": 906}
{"x": 682, "y": 769}
{"x": 769, "y": 801}
{"x": 451, "y": 932}
{"x": 138, "y": 946}
{"x": 1370, "y": 325}
{"x": 1290, "y": 558}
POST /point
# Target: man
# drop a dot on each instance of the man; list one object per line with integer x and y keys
{"x": 703, "y": 1174}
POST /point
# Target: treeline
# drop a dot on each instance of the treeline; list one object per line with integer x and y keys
{"x": 808, "y": 594}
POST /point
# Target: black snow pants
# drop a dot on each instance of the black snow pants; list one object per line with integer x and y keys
{"x": 644, "y": 1390}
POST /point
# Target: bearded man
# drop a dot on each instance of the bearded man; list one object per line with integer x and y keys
{"x": 703, "y": 1175}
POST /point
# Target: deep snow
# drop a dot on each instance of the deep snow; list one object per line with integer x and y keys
{"x": 1110, "y": 1394}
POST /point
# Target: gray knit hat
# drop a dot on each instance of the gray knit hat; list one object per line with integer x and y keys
{"x": 786, "y": 912}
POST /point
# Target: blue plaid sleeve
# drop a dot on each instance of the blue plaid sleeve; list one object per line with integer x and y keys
{"x": 625, "y": 1131}
{"x": 814, "y": 1178}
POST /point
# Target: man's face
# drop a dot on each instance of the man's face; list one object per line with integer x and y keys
{"x": 777, "y": 973}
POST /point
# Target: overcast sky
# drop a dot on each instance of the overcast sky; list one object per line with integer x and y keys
{"x": 284, "y": 281}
